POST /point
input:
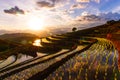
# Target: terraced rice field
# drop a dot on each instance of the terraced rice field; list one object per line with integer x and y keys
{"x": 78, "y": 59}
{"x": 99, "y": 62}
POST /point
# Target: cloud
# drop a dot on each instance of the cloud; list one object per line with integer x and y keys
{"x": 110, "y": 16}
{"x": 14, "y": 10}
{"x": 97, "y": 1}
{"x": 59, "y": 1}
{"x": 116, "y": 9}
{"x": 51, "y": 3}
{"x": 78, "y": 6}
{"x": 71, "y": 11}
{"x": 83, "y": 1}
{"x": 45, "y": 4}
{"x": 87, "y": 1}
{"x": 85, "y": 13}
{"x": 89, "y": 18}
{"x": 85, "y": 16}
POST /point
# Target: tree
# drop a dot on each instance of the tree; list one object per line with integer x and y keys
{"x": 74, "y": 29}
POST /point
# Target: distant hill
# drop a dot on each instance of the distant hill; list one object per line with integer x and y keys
{"x": 111, "y": 27}
{"x": 19, "y": 37}
{"x": 4, "y": 32}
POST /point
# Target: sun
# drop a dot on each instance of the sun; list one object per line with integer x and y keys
{"x": 35, "y": 23}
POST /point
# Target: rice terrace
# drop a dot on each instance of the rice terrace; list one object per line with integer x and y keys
{"x": 59, "y": 40}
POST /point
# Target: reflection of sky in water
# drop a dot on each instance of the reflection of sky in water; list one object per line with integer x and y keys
{"x": 8, "y": 61}
{"x": 37, "y": 42}
{"x": 13, "y": 60}
{"x": 22, "y": 58}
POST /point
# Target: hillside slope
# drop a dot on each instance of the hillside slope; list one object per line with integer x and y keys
{"x": 19, "y": 37}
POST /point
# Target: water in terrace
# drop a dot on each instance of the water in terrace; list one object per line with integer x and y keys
{"x": 13, "y": 60}
{"x": 37, "y": 42}
{"x": 16, "y": 59}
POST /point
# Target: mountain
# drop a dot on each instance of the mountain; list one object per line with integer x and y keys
{"x": 4, "y": 32}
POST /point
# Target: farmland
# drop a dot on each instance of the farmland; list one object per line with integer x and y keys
{"x": 89, "y": 54}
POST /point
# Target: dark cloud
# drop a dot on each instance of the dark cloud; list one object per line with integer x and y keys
{"x": 14, "y": 10}
{"x": 91, "y": 18}
{"x": 58, "y": 1}
{"x": 51, "y": 3}
{"x": 100, "y": 17}
{"x": 78, "y": 6}
{"x": 45, "y": 4}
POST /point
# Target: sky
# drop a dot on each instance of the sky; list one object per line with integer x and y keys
{"x": 41, "y": 14}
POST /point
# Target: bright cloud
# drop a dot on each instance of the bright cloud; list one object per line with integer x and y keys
{"x": 82, "y": 1}
{"x": 84, "y": 13}
{"x": 87, "y": 1}
{"x": 116, "y": 9}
